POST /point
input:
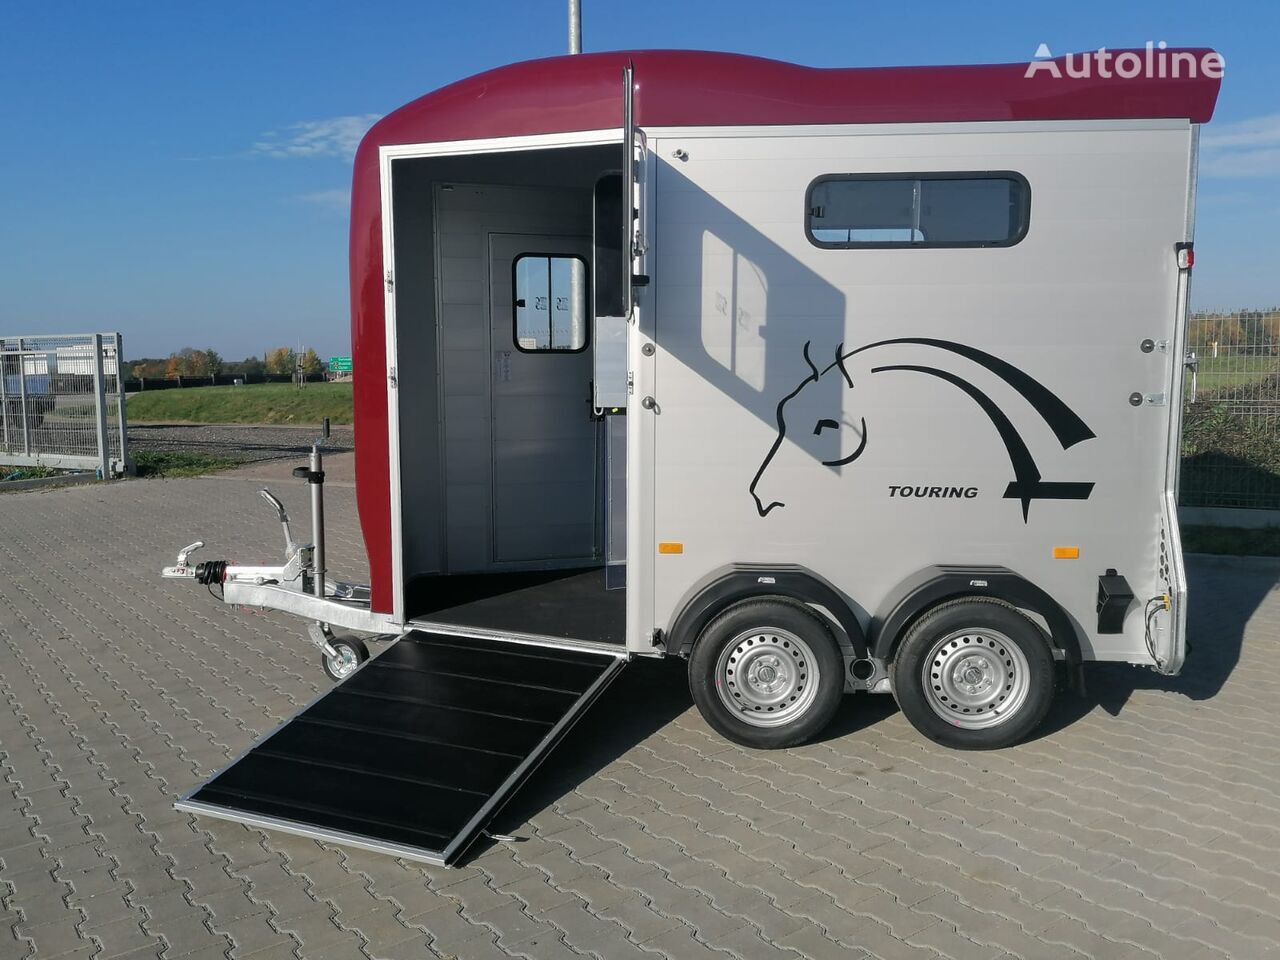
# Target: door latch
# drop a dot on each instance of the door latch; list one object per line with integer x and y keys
{"x": 1150, "y": 399}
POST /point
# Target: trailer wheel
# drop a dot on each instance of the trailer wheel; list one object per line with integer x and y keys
{"x": 351, "y": 653}
{"x": 974, "y": 674}
{"x": 767, "y": 674}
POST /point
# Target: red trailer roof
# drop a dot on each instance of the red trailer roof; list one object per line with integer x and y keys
{"x": 694, "y": 88}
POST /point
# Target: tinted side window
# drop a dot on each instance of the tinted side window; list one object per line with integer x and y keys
{"x": 918, "y": 210}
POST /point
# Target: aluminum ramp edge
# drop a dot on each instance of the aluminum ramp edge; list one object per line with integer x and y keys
{"x": 340, "y": 837}
{"x": 530, "y": 763}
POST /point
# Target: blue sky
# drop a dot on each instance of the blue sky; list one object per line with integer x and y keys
{"x": 180, "y": 172}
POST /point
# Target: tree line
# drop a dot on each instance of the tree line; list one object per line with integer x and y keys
{"x": 1255, "y": 332}
{"x": 190, "y": 362}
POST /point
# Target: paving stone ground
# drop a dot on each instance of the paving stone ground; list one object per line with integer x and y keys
{"x": 1144, "y": 821}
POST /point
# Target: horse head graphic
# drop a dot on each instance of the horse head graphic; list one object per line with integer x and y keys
{"x": 805, "y": 402}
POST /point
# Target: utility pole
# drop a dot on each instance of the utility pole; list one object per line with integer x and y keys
{"x": 575, "y": 26}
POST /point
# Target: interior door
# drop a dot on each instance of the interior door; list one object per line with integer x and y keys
{"x": 544, "y": 435}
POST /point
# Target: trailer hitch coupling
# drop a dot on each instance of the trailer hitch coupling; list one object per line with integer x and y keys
{"x": 181, "y": 570}
{"x": 300, "y": 585}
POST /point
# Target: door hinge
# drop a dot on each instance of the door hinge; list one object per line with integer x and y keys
{"x": 639, "y": 246}
{"x": 391, "y": 281}
{"x": 391, "y": 378}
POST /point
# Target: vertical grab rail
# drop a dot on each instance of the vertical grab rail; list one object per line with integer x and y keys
{"x": 628, "y": 189}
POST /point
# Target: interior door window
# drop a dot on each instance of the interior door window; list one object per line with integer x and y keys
{"x": 550, "y": 308}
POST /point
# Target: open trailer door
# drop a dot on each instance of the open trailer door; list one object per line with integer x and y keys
{"x": 617, "y": 244}
{"x": 414, "y": 753}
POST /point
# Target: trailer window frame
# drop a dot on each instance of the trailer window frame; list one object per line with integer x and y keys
{"x": 515, "y": 303}
{"x": 1022, "y": 224}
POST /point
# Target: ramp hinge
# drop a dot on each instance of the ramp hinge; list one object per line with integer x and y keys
{"x": 391, "y": 281}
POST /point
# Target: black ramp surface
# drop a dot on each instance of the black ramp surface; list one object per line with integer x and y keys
{"x": 414, "y": 753}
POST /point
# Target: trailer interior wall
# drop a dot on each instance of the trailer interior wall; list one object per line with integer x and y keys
{"x": 445, "y": 209}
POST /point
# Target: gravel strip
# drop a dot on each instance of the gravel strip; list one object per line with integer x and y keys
{"x": 248, "y": 443}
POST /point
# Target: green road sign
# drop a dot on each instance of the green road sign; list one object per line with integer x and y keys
{"x": 339, "y": 364}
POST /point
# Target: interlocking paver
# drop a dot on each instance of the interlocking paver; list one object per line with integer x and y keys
{"x": 1147, "y": 827}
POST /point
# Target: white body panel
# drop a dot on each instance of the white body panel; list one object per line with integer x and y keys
{"x": 740, "y": 290}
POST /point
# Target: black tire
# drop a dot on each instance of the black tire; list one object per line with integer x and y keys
{"x": 773, "y": 656}
{"x": 351, "y": 653}
{"x": 1002, "y": 655}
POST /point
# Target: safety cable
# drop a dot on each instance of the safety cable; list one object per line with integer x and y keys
{"x": 1153, "y": 607}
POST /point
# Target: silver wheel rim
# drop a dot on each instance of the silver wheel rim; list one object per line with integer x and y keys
{"x": 767, "y": 677}
{"x": 976, "y": 679}
{"x": 344, "y": 664}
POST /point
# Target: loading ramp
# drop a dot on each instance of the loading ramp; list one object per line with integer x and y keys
{"x": 417, "y": 751}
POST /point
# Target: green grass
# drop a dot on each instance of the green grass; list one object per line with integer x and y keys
{"x": 1217, "y": 373}
{"x": 272, "y": 403}
{"x": 26, "y": 473}
{"x": 1232, "y": 541}
{"x": 166, "y": 463}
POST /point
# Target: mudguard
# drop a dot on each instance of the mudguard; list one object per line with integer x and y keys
{"x": 937, "y": 584}
{"x": 730, "y": 585}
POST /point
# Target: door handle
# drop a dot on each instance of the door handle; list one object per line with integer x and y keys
{"x": 649, "y": 403}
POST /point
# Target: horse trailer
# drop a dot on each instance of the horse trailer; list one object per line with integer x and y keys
{"x": 825, "y": 380}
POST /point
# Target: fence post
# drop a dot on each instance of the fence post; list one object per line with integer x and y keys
{"x": 125, "y": 464}
{"x": 100, "y": 401}
{"x": 22, "y": 399}
{"x": 4, "y": 389}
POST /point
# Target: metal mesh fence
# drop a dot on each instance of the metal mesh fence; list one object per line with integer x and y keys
{"x": 61, "y": 402}
{"x": 1231, "y": 429}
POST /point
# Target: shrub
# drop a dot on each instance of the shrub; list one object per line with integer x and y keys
{"x": 1230, "y": 459}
